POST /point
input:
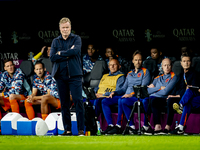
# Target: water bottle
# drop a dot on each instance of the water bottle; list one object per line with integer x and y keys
{"x": 98, "y": 128}
{"x": 176, "y": 125}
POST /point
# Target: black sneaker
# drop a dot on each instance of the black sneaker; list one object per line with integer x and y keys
{"x": 166, "y": 132}
{"x": 132, "y": 131}
{"x": 150, "y": 131}
{"x": 177, "y": 131}
{"x": 115, "y": 130}
{"x": 144, "y": 130}
{"x": 159, "y": 132}
{"x": 108, "y": 129}
{"x": 178, "y": 108}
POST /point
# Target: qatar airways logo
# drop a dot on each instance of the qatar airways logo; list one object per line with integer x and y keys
{"x": 184, "y": 34}
{"x": 124, "y": 35}
{"x": 48, "y": 36}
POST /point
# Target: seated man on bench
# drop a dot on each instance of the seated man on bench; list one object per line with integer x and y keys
{"x": 44, "y": 92}
{"x": 108, "y": 83}
{"x": 159, "y": 90}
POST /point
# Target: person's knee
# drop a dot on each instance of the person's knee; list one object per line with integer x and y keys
{"x": 1, "y": 102}
{"x": 145, "y": 102}
{"x": 123, "y": 101}
{"x": 170, "y": 102}
{"x": 12, "y": 96}
{"x": 45, "y": 99}
{"x": 104, "y": 102}
{"x": 26, "y": 103}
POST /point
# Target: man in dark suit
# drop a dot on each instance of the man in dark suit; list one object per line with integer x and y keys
{"x": 65, "y": 55}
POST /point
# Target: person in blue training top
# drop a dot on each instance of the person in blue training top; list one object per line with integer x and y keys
{"x": 109, "y": 82}
{"x": 138, "y": 76}
{"x": 159, "y": 90}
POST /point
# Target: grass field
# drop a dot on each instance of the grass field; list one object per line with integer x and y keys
{"x": 100, "y": 142}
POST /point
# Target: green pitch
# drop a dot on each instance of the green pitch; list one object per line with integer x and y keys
{"x": 100, "y": 142}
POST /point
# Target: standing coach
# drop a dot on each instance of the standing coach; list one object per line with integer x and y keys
{"x": 65, "y": 55}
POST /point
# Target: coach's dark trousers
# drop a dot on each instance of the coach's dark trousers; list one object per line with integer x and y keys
{"x": 65, "y": 86}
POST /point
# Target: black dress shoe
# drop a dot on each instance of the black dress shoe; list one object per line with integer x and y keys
{"x": 66, "y": 134}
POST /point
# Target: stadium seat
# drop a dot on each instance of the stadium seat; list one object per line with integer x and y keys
{"x": 195, "y": 60}
{"x": 1, "y": 65}
{"x": 126, "y": 66}
{"x": 173, "y": 59}
{"x": 150, "y": 64}
{"x": 94, "y": 83}
{"x": 48, "y": 64}
{"x": 177, "y": 68}
{"x": 197, "y": 67}
{"x": 99, "y": 69}
{"x": 28, "y": 69}
{"x": 196, "y": 64}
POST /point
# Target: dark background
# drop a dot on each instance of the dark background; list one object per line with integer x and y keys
{"x": 36, "y": 25}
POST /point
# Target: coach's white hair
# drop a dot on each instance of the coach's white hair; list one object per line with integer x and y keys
{"x": 64, "y": 20}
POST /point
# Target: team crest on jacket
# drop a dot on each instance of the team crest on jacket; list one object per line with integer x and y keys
{"x": 139, "y": 74}
{"x": 166, "y": 80}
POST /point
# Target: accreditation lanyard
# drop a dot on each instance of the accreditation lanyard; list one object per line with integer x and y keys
{"x": 185, "y": 79}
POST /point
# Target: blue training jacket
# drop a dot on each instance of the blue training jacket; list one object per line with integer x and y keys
{"x": 142, "y": 77}
{"x": 168, "y": 80}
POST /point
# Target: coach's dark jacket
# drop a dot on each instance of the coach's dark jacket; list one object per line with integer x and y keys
{"x": 69, "y": 57}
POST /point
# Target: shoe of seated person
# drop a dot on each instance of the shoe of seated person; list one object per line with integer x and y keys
{"x": 150, "y": 131}
{"x": 166, "y": 132}
{"x": 116, "y": 130}
{"x": 132, "y": 131}
{"x": 177, "y": 131}
{"x": 159, "y": 132}
{"x": 108, "y": 129}
{"x": 144, "y": 129}
{"x": 178, "y": 108}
